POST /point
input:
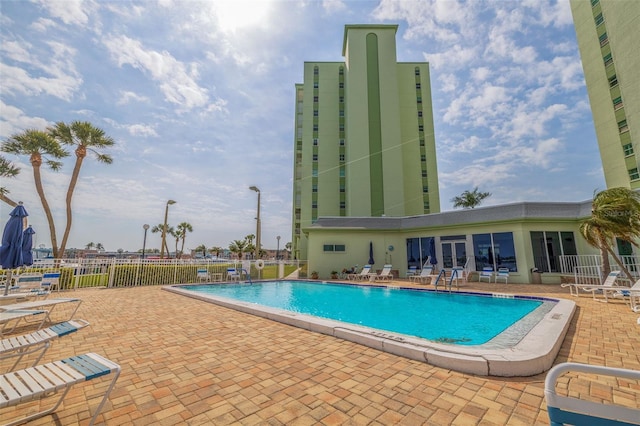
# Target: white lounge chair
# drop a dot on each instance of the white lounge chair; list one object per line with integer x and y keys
{"x": 411, "y": 271}
{"x": 38, "y": 341}
{"x": 633, "y": 293}
{"x": 606, "y": 287}
{"x": 462, "y": 272}
{"x": 27, "y": 286}
{"x": 51, "y": 281}
{"x": 571, "y": 410}
{"x": 45, "y": 303}
{"x": 502, "y": 274}
{"x": 423, "y": 276}
{"x": 384, "y": 275}
{"x": 486, "y": 273}
{"x": 202, "y": 275}
{"x": 35, "y": 383}
{"x": 233, "y": 274}
{"x": 6, "y": 317}
{"x": 362, "y": 275}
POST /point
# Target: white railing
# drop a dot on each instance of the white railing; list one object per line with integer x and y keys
{"x": 113, "y": 273}
{"x": 586, "y": 266}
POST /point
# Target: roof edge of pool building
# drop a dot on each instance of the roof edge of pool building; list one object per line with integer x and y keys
{"x": 533, "y": 354}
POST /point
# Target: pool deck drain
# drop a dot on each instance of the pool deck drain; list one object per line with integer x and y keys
{"x": 509, "y": 354}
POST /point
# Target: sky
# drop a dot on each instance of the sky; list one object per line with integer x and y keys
{"x": 199, "y": 97}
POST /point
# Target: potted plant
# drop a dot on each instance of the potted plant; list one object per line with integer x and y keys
{"x": 314, "y": 275}
{"x": 334, "y": 275}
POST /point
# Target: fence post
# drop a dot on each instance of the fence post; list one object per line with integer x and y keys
{"x": 112, "y": 273}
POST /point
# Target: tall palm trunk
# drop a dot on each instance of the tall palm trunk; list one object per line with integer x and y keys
{"x": 36, "y": 162}
{"x": 81, "y": 152}
{"x": 8, "y": 200}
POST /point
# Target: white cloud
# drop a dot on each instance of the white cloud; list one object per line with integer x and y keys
{"x": 333, "y": 6}
{"x": 68, "y": 11}
{"x": 176, "y": 80}
{"x": 142, "y": 130}
{"x": 13, "y": 120}
{"x": 128, "y": 97}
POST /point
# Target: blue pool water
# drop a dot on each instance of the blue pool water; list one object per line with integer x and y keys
{"x": 462, "y": 319}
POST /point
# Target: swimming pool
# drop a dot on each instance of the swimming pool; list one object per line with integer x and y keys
{"x": 487, "y": 334}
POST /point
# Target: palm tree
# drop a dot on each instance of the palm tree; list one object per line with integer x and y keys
{"x": 7, "y": 170}
{"x": 238, "y": 247}
{"x": 158, "y": 228}
{"x": 216, "y": 250}
{"x": 90, "y": 245}
{"x": 615, "y": 213}
{"x": 469, "y": 199}
{"x": 99, "y": 247}
{"x": 181, "y": 233}
{"x": 201, "y": 248}
{"x": 40, "y": 147}
{"x": 86, "y": 138}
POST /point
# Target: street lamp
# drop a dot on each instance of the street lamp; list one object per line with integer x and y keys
{"x": 164, "y": 229}
{"x": 278, "y": 249}
{"x": 144, "y": 242}
{"x": 257, "y": 254}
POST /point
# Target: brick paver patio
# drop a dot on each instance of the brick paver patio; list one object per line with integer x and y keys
{"x": 188, "y": 362}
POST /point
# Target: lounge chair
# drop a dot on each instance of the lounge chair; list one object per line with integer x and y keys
{"x": 362, "y": 275}
{"x": 384, "y": 275}
{"x": 502, "y": 274}
{"x": 633, "y": 293}
{"x": 233, "y": 274}
{"x": 38, "y": 341}
{"x": 45, "y": 303}
{"x": 486, "y": 273}
{"x": 423, "y": 276}
{"x": 35, "y": 383}
{"x": 51, "y": 281}
{"x": 19, "y": 315}
{"x": 462, "y": 272}
{"x": 27, "y": 286}
{"x": 202, "y": 275}
{"x": 571, "y": 410}
{"x": 413, "y": 270}
{"x": 606, "y": 288}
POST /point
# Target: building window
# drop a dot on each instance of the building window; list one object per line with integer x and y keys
{"x": 314, "y": 187}
{"x": 315, "y": 84}
{"x": 341, "y": 85}
{"x": 495, "y": 251}
{"x": 314, "y": 204}
{"x": 423, "y": 157}
{"x": 419, "y": 99}
{"x": 341, "y": 113}
{"x": 341, "y": 158}
{"x": 617, "y": 103}
{"x": 419, "y": 113}
{"x": 341, "y": 127}
{"x": 314, "y": 173}
{"x": 315, "y": 157}
{"x": 341, "y": 100}
{"x": 341, "y": 71}
{"x": 341, "y": 142}
{"x": 315, "y": 99}
{"x": 333, "y": 247}
{"x": 628, "y": 149}
{"x": 613, "y": 81}
{"x": 425, "y": 189}
{"x": 342, "y": 187}
{"x": 343, "y": 205}
{"x": 316, "y": 71}
{"x": 549, "y": 246}
{"x": 315, "y": 127}
{"x": 424, "y": 173}
{"x": 421, "y": 142}
{"x": 341, "y": 172}
{"x": 421, "y": 128}
{"x": 604, "y": 39}
{"x": 608, "y": 59}
{"x": 622, "y": 126}
{"x": 594, "y": 2}
{"x": 315, "y": 112}
{"x": 599, "y": 19}
{"x": 417, "y": 71}
{"x": 633, "y": 174}
{"x": 315, "y": 141}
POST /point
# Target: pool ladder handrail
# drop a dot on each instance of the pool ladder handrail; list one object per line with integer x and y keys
{"x": 442, "y": 273}
{"x": 247, "y": 274}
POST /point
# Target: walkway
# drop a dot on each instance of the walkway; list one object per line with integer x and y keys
{"x": 189, "y": 362}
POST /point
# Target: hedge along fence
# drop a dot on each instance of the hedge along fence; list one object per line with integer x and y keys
{"x": 87, "y": 273}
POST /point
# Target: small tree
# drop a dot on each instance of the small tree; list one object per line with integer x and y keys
{"x": 238, "y": 247}
{"x": 469, "y": 199}
{"x": 615, "y": 213}
{"x": 7, "y": 170}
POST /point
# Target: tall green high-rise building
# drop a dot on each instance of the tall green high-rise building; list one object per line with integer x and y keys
{"x": 608, "y": 33}
{"x": 364, "y": 139}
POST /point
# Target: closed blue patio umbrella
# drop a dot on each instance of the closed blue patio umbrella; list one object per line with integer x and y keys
{"x": 27, "y": 244}
{"x": 11, "y": 249}
{"x": 371, "y": 261}
{"x": 432, "y": 253}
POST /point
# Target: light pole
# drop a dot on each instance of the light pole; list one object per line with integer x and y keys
{"x": 257, "y": 254}
{"x": 278, "y": 249}
{"x": 144, "y": 242}
{"x": 164, "y": 229}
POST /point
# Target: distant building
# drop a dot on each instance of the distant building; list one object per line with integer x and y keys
{"x": 608, "y": 33}
{"x": 364, "y": 138}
